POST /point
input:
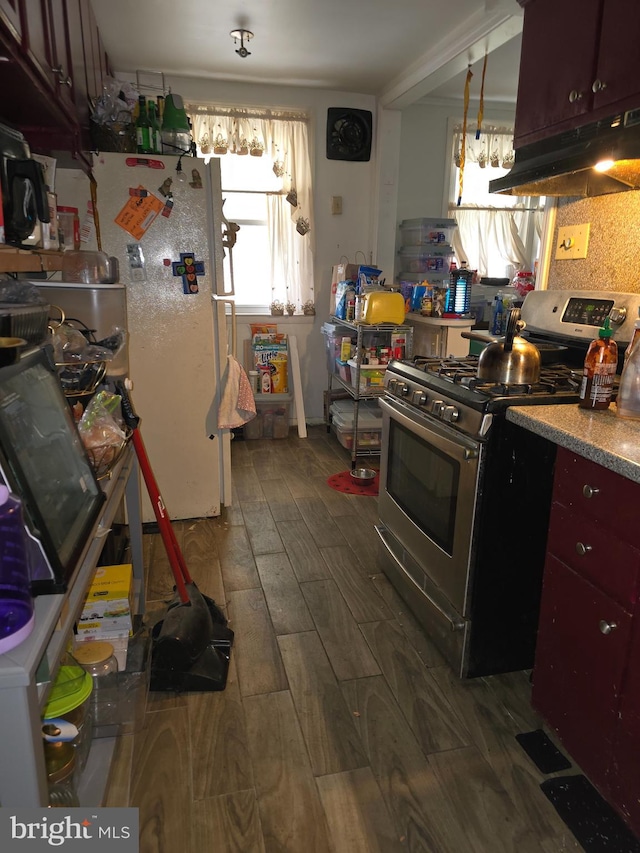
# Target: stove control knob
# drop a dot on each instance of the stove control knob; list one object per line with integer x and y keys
{"x": 392, "y": 385}
{"x": 437, "y": 407}
{"x": 418, "y": 398}
{"x": 617, "y": 315}
{"x": 403, "y": 388}
{"x": 451, "y": 414}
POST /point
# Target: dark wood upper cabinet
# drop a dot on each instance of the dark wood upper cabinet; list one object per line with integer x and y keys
{"x": 56, "y": 64}
{"x": 579, "y": 63}
{"x": 10, "y": 15}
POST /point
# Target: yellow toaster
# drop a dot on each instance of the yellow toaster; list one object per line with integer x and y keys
{"x": 382, "y": 307}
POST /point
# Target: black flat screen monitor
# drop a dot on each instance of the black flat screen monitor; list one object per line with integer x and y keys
{"x": 43, "y": 457}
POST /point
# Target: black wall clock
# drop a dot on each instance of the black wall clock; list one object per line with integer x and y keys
{"x": 349, "y": 134}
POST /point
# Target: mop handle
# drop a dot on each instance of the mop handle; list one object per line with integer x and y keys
{"x": 176, "y": 560}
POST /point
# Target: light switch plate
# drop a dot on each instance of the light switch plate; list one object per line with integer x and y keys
{"x": 572, "y": 242}
{"x": 336, "y": 204}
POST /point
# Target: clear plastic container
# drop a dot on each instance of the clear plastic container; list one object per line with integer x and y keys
{"x": 60, "y": 761}
{"x": 628, "y": 401}
{"x": 425, "y": 231}
{"x": 98, "y": 659}
{"x": 67, "y": 714}
{"x": 426, "y": 259}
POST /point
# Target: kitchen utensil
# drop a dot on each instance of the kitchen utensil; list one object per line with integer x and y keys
{"x": 514, "y": 362}
{"x": 10, "y": 350}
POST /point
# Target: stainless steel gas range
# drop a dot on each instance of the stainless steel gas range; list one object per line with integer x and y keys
{"x": 465, "y": 494}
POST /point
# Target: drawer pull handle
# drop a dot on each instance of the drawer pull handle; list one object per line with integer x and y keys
{"x": 607, "y": 627}
{"x": 590, "y": 491}
{"x": 583, "y": 549}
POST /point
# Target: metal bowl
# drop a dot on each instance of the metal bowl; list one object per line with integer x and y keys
{"x": 363, "y": 475}
{"x": 10, "y": 350}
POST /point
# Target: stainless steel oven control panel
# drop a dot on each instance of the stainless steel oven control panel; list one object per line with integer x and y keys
{"x": 577, "y": 314}
{"x": 438, "y": 405}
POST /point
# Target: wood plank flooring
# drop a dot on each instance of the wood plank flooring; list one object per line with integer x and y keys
{"x": 341, "y": 729}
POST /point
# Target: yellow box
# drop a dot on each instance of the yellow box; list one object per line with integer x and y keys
{"x": 112, "y": 582}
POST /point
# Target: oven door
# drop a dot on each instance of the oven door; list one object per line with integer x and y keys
{"x": 428, "y": 487}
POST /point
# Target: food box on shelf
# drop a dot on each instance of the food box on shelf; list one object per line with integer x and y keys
{"x": 371, "y": 376}
{"x": 369, "y": 430}
{"x": 272, "y": 417}
{"x": 343, "y": 370}
{"x": 426, "y": 259}
{"x": 427, "y": 231}
{"x": 108, "y": 606}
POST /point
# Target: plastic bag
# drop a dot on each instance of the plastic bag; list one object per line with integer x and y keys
{"x": 20, "y": 293}
{"x": 100, "y": 431}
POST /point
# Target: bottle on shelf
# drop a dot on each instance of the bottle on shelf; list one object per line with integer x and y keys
{"x": 600, "y": 366}
{"x": 155, "y": 133}
{"x": 143, "y": 128}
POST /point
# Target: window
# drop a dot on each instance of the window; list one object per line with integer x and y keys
{"x": 266, "y": 187}
{"x": 496, "y": 234}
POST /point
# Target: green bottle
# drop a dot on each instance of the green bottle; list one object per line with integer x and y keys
{"x": 156, "y": 138}
{"x": 143, "y": 128}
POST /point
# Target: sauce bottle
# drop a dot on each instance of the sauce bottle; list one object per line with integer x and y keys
{"x": 599, "y": 371}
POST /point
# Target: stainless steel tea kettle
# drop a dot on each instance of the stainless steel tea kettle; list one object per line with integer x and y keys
{"x": 514, "y": 362}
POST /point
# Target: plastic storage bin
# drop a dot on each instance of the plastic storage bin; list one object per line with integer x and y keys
{"x": 333, "y": 335}
{"x": 371, "y": 377}
{"x": 420, "y": 232}
{"x": 272, "y": 418}
{"x": 369, "y": 431}
{"x": 426, "y": 259}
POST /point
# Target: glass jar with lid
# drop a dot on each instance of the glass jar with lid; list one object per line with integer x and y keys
{"x": 60, "y": 761}
{"x": 97, "y": 658}
{"x": 67, "y": 714}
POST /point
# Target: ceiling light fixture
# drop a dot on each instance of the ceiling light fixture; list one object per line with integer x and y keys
{"x": 243, "y": 35}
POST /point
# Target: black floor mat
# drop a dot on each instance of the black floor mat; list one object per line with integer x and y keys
{"x": 592, "y": 821}
{"x": 542, "y": 752}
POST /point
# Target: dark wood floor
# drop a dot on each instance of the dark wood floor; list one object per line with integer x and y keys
{"x": 340, "y": 729}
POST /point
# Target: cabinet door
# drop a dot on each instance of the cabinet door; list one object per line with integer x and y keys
{"x": 558, "y": 58}
{"x": 10, "y": 15}
{"x": 578, "y": 668}
{"x": 61, "y": 60}
{"x": 618, "y": 71}
{"x": 624, "y": 772}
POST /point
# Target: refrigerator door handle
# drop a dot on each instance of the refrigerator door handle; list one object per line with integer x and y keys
{"x": 232, "y": 303}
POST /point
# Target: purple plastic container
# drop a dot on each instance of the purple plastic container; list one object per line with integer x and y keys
{"x": 16, "y": 603}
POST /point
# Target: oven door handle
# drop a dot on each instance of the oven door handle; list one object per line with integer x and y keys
{"x": 456, "y": 444}
{"x": 450, "y": 615}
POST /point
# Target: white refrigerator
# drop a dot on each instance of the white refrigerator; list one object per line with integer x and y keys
{"x": 167, "y": 237}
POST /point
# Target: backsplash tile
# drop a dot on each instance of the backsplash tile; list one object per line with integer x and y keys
{"x": 613, "y": 256}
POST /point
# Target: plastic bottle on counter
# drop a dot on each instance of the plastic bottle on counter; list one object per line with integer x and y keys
{"x": 599, "y": 371}
{"x": 634, "y": 339}
{"x": 497, "y": 318}
{"x": 16, "y": 603}
{"x": 628, "y": 401}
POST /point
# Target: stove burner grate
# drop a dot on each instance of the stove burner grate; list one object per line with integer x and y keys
{"x": 463, "y": 371}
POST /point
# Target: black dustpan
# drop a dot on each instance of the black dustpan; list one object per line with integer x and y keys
{"x": 192, "y": 644}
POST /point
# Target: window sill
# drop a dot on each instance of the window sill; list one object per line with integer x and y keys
{"x": 286, "y": 319}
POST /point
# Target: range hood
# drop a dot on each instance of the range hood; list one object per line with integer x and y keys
{"x": 563, "y": 165}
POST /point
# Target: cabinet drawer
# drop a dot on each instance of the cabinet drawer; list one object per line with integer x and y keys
{"x": 591, "y": 490}
{"x": 595, "y": 553}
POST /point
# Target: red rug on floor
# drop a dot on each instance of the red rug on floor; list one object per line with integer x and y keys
{"x": 344, "y": 482}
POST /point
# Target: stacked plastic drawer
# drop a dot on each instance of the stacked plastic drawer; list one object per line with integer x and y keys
{"x": 426, "y": 251}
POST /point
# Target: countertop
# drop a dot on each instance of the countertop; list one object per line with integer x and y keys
{"x": 600, "y": 436}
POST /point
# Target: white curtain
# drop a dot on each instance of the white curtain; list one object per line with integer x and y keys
{"x": 281, "y": 136}
{"x": 480, "y": 231}
{"x": 493, "y": 148}
{"x": 291, "y": 258}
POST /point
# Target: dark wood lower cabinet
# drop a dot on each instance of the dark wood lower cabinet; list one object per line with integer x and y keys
{"x": 579, "y": 669}
{"x": 586, "y": 678}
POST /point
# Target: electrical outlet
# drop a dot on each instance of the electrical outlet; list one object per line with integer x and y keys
{"x": 572, "y": 242}
{"x": 336, "y": 204}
